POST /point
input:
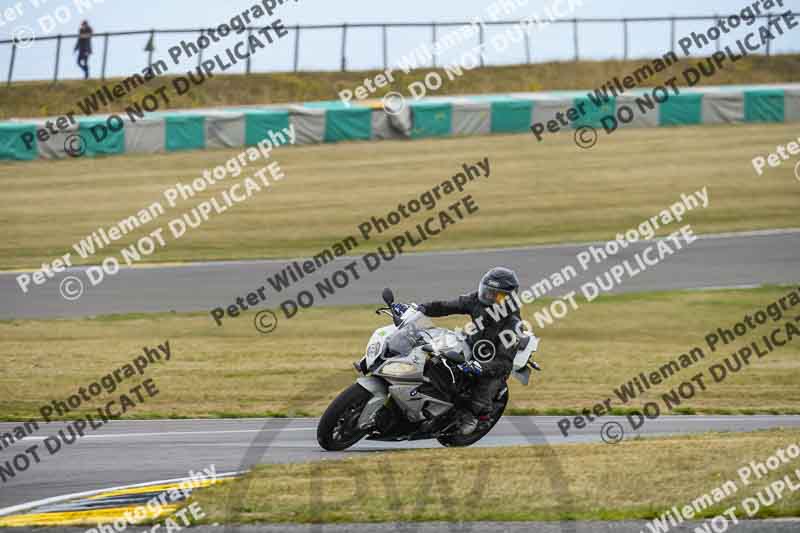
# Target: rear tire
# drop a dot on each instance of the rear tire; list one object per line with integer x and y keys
{"x": 459, "y": 441}
{"x": 337, "y": 429}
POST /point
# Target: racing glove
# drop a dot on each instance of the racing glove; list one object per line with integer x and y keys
{"x": 399, "y": 309}
{"x": 471, "y": 368}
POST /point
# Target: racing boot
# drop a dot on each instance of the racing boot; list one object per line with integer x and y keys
{"x": 467, "y": 423}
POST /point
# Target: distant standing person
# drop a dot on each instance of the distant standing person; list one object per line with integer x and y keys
{"x": 84, "y": 47}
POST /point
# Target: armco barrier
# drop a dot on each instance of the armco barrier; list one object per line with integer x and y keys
{"x": 317, "y": 122}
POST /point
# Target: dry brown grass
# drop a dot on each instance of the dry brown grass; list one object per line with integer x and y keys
{"x": 636, "y": 479}
{"x": 306, "y": 361}
{"x": 537, "y": 193}
{"x": 24, "y": 99}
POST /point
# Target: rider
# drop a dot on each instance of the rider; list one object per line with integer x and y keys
{"x": 494, "y": 289}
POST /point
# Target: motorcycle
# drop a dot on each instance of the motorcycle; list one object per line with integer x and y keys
{"x": 410, "y": 387}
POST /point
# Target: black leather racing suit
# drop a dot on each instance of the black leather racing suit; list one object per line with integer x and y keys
{"x": 496, "y": 371}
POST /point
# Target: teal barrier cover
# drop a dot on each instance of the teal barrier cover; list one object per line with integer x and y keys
{"x": 353, "y": 124}
{"x": 11, "y": 144}
{"x": 100, "y": 138}
{"x": 765, "y": 105}
{"x": 681, "y": 110}
{"x": 259, "y": 123}
{"x": 185, "y": 132}
{"x": 431, "y": 119}
{"x": 511, "y": 116}
{"x": 592, "y": 113}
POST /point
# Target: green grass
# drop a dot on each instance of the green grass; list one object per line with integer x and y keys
{"x": 24, "y": 99}
{"x": 636, "y": 479}
{"x": 299, "y": 368}
{"x": 545, "y": 192}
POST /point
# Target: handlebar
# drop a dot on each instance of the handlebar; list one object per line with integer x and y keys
{"x": 388, "y": 311}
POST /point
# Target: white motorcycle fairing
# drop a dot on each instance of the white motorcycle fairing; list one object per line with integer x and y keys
{"x": 377, "y": 343}
{"x": 409, "y": 386}
{"x": 380, "y": 371}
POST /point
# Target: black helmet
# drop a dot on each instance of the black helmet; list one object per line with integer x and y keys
{"x": 496, "y": 284}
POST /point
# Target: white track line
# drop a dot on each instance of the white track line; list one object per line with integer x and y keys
{"x": 58, "y": 499}
{"x": 14, "y": 423}
{"x": 541, "y": 419}
{"x": 169, "y": 433}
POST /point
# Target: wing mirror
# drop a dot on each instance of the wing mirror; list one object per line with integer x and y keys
{"x": 388, "y": 296}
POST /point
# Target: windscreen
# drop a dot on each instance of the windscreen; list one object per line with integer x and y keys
{"x": 403, "y": 340}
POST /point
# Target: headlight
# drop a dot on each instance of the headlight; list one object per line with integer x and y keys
{"x": 398, "y": 369}
{"x": 373, "y": 349}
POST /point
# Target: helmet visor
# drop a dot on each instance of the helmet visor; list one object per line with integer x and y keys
{"x": 489, "y": 295}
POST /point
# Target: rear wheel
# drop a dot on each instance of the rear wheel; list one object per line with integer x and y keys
{"x": 454, "y": 441}
{"x": 338, "y": 427}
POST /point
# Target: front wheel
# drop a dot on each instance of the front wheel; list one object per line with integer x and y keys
{"x": 338, "y": 427}
{"x": 457, "y": 441}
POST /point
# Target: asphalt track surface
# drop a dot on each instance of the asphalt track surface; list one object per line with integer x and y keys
{"x": 128, "y": 452}
{"x": 723, "y": 260}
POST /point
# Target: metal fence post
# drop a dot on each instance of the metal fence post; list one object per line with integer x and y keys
{"x": 481, "y": 37}
{"x": 672, "y": 34}
{"x": 200, "y": 54}
{"x": 296, "y": 46}
{"x": 435, "y": 57}
{"x": 105, "y": 55}
{"x": 344, "y": 47}
{"x": 433, "y": 43}
{"x": 385, "y": 48}
{"x": 11, "y": 64}
{"x": 58, "y": 58}
{"x": 249, "y": 56}
{"x": 575, "y": 38}
{"x": 152, "y": 47}
{"x": 527, "y": 48}
{"x": 625, "y": 28}
{"x": 769, "y": 41}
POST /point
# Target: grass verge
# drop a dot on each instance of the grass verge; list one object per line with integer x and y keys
{"x": 306, "y": 361}
{"x": 24, "y": 99}
{"x": 637, "y": 479}
{"x": 547, "y": 192}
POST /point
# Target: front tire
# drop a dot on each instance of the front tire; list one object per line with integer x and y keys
{"x": 337, "y": 429}
{"x": 460, "y": 441}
